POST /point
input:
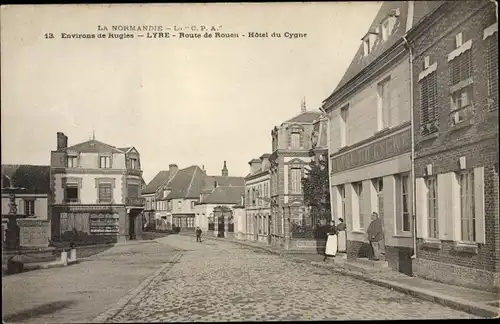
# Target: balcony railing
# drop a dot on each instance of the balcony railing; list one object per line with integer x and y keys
{"x": 137, "y": 202}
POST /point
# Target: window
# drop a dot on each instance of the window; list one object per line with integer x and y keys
{"x": 190, "y": 221}
{"x": 341, "y": 189}
{"x": 385, "y": 30}
{"x": 105, "y": 193}
{"x": 105, "y": 162}
{"x": 461, "y": 68}
{"x": 248, "y": 197}
{"x": 133, "y": 191}
{"x": 366, "y": 46}
{"x": 71, "y": 193}
{"x": 295, "y": 138}
{"x": 468, "y": 219}
{"x": 344, "y": 126}
{"x": 405, "y": 202}
{"x": 134, "y": 164}
{"x": 179, "y": 204}
{"x": 29, "y": 207}
{"x": 461, "y": 105}
{"x": 71, "y": 161}
{"x": 432, "y": 207}
{"x": 383, "y": 100}
{"x": 296, "y": 181}
{"x": 428, "y": 103}
{"x": 358, "y": 190}
{"x": 492, "y": 69}
{"x": 192, "y": 205}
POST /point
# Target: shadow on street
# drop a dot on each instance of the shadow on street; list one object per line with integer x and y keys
{"x": 43, "y": 309}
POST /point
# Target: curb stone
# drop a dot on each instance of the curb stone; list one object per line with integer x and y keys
{"x": 120, "y": 305}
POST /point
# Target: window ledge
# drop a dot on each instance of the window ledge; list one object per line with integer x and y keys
{"x": 429, "y": 136}
{"x": 460, "y": 125}
{"x": 358, "y": 232}
{"x": 430, "y": 244}
{"x": 466, "y": 247}
{"x": 460, "y": 85}
{"x": 403, "y": 235}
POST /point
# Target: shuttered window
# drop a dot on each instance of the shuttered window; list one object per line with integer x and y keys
{"x": 468, "y": 219}
{"x": 492, "y": 73}
{"x": 296, "y": 181}
{"x": 461, "y": 68}
{"x": 428, "y": 101}
{"x": 432, "y": 207}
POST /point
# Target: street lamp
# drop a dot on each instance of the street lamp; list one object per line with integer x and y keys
{"x": 13, "y": 232}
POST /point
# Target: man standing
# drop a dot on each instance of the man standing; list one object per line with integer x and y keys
{"x": 198, "y": 234}
{"x": 375, "y": 235}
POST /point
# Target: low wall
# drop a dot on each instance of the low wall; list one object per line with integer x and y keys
{"x": 33, "y": 232}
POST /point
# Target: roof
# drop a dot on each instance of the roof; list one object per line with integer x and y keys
{"x": 157, "y": 181}
{"x": 93, "y": 146}
{"x": 225, "y": 195}
{"x": 34, "y": 178}
{"x": 254, "y": 160}
{"x": 265, "y": 156}
{"x": 124, "y": 149}
{"x": 360, "y": 62}
{"x": 229, "y": 181}
{"x": 187, "y": 183}
{"x": 305, "y": 117}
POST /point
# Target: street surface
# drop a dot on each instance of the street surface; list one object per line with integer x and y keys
{"x": 80, "y": 292}
{"x": 222, "y": 281}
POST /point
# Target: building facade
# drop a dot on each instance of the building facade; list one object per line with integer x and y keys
{"x": 152, "y": 220}
{"x": 258, "y": 200}
{"x": 32, "y": 202}
{"x": 291, "y": 143}
{"x": 95, "y": 190}
{"x": 177, "y": 199}
{"x": 370, "y": 137}
{"x": 455, "y": 77}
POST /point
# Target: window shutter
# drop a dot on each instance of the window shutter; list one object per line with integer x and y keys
{"x": 479, "y": 204}
{"x": 421, "y": 211}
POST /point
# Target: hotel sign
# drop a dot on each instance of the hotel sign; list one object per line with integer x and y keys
{"x": 385, "y": 148}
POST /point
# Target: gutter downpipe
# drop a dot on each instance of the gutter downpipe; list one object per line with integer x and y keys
{"x": 412, "y": 176}
{"x": 329, "y": 161}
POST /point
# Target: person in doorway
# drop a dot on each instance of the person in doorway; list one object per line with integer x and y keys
{"x": 375, "y": 235}
{"x": 198, "y": 234}
{"x": 331, "y": 241}
{"x": 341, "y": 234}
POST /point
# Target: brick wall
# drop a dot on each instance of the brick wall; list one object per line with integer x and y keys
{"x": 476, "y": 139}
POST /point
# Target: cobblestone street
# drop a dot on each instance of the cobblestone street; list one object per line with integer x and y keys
{"x": 219, "y": 281}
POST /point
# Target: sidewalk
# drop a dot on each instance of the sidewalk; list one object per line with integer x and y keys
{"x": 480, "y": 303}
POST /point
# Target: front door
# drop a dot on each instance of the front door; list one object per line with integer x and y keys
{"x": 131, "y": 228}
{"x": 379, "y": 186}
{"x": 220, "y": 229}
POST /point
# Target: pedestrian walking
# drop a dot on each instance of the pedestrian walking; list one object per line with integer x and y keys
{"x": 342, "y": 237}
{"x": 331, "y": 241}
{"x": 375, "y": 235}
{"x": 198, "y": 234}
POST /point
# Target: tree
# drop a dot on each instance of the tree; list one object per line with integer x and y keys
{"x": 317, "y": 190}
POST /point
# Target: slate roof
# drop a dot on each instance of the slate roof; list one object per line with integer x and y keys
{"x": 229, "y": 181}
{"x": 225, "y": 195}
{"x": 157, "y": 181}
{"x": 305, "y": 117}
{"x": 360, "y": 62}
{"x": 34, "y": 178}
{"x": 93, "y": 146}
{"x": 187, "y": 183}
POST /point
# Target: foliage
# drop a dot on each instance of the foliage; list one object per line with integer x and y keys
{"x": 317, "y": 190}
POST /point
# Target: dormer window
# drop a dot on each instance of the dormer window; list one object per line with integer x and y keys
{"x": 105, "y": 162}
{"x": 369, "y": 40}
{"x": 134, "y": 164}
{"x": 71, "y": 161}
{"x": 366, "y": 46}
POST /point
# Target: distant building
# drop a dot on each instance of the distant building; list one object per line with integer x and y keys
{"x": 149, "y": 192}
{"x": 32, "y": 203}
{"x": 258, "y": 200}
{"x": 291, "y": 144}
{"x": 455, "y": 77}
{"x": 95, "y": 190}
{"x": 319, "y": 138}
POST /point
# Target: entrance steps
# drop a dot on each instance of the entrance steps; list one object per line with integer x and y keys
{"x": 365, "y": 265}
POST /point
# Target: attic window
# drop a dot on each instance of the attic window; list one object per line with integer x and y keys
{"x": 366, "y": 46}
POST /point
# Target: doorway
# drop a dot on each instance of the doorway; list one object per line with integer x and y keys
{"x": 379, "y": 188}
{"x": 131, "y": 225}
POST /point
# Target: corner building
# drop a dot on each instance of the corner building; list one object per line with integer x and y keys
{"x": 456, "y": 132}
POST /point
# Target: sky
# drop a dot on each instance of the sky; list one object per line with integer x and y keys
{"x": 185, "y": 101}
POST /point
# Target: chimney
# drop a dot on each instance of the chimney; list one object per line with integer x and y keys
{"x": 225, "y": 172}
{"x": 62, "y": 141}
{"x": 172, "y": 168}
{"x": 255, "y": 165}
{"x": 203, "y": 169}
